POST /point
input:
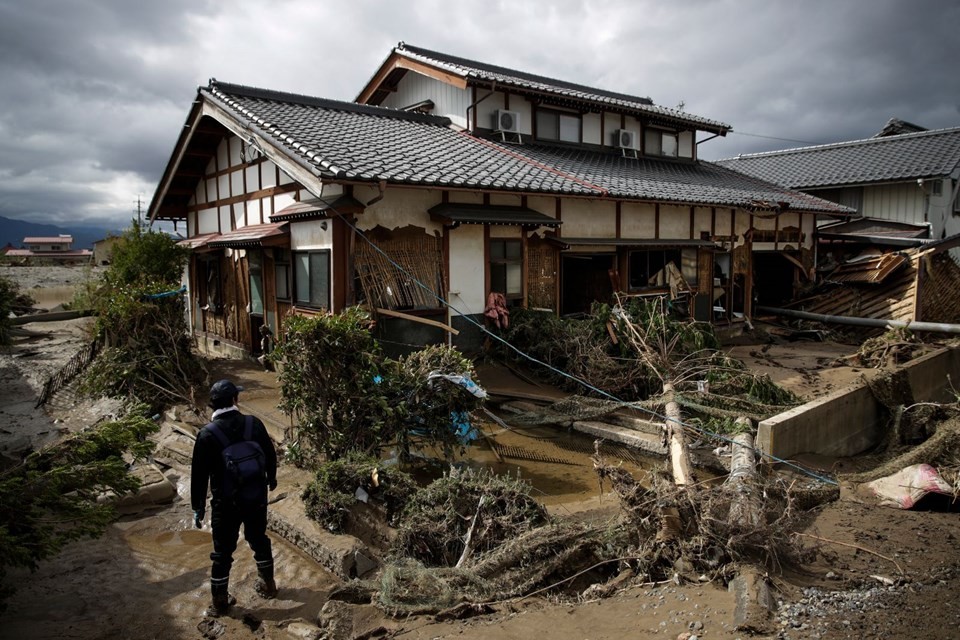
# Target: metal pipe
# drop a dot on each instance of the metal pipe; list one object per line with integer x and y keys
{"x": 937, "y": 327}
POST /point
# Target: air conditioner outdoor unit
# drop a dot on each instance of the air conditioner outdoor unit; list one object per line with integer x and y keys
{"x": 506, "y": 121}
{"x": 624, "y": 139}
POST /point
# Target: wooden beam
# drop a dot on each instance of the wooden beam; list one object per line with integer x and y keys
{"x": 406, "y": 316}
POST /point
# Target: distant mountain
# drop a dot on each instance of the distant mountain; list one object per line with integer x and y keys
{"x": 14, "y": 231}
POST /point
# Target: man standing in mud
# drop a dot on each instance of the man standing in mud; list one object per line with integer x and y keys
{"x": 236, "y": 457}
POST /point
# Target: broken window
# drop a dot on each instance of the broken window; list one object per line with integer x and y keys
{"x": 647, "y": 268}
{"x": 312, "y": 278}
{"x": 208, "y": 283}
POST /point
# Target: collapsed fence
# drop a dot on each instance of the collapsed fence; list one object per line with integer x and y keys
{"x": 80, "y": 361}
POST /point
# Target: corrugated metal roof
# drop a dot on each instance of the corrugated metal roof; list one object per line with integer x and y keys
{"x": 310, "y": 209}
{"x": 48, "y": 240}
{"x": 252, "y": 235}
{"x": 196, "y": 242}
{"x": 927, "y": 154}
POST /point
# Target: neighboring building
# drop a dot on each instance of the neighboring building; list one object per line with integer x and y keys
{"x": 57, "y": 249}
{"x": 103, "y": 250}
{"x": 450, "y": 180}
{"x": 911, "y": 178}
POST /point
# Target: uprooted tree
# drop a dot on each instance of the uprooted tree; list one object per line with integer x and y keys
{"x": 57, "y": 495}
{"x": 146, "y": 354}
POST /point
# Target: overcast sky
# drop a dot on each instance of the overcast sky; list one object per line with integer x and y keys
{"x": 93, "y": 93}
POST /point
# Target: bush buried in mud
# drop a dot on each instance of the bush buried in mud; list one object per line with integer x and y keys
{"x": 330, "y": 496}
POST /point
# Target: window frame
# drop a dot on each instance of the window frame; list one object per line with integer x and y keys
{"x": 281, "y": 267}
{"x": 557, "y": 115}
{"x": 506, "y": 261}
{"x": 210, "y": 291}
{"x": 665, "y": 252}
{"x": 311, "y": 303}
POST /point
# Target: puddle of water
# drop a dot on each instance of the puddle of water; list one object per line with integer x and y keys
{"x": 555, "y": 462}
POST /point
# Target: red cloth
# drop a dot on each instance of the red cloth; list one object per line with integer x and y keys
{"x": 497, "y": 311}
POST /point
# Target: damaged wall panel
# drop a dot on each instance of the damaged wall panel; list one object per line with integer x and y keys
{"x": 418, "y": 254}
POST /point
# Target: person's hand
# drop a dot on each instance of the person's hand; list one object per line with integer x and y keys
{"x": 272, "y": 485}
{"x": 198, "y": 518}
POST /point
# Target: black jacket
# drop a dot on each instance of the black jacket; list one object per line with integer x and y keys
{"x": 207, "y": 467}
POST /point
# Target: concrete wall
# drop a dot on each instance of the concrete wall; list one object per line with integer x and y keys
{"x": 851, "y": 421}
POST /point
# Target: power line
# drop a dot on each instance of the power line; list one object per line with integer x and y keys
{"x": 565, "y": 374}
{"x": 757, "y": 135}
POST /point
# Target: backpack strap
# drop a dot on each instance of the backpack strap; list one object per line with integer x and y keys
{"x": 248, "y": 428}
{"x": 218, "y": 433}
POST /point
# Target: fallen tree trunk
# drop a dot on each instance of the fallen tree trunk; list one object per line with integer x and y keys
{"x": 746, "y": 510}
{"x": 676, "y": 440}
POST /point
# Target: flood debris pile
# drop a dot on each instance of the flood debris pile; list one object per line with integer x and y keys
{"x": 704, "y": 533}
{"x": 475, "y": 538}
{"x": 895, "y": 346}
{"x": 627, "y": 351}
{"x": 145, "y": 350}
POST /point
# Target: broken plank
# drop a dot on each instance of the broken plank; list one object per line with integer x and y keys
{"x": 413, "y": 318}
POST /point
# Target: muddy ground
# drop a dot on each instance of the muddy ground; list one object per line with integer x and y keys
{"x": 148, "y": 577}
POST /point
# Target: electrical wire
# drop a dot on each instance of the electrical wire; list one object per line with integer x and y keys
{"x": 565, "y": 374}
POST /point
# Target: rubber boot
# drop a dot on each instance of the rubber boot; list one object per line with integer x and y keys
{"x": 221, "y": 601}
{"x": 266, "y": 587}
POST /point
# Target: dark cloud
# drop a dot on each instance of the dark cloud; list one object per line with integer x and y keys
{"x": 95, "y": 92}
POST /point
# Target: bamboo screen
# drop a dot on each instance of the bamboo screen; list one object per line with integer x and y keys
{"x": 384, "y": 285}
{"x": 541, "y": 274}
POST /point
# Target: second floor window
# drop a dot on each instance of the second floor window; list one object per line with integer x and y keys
{"x": 558, "y": 125}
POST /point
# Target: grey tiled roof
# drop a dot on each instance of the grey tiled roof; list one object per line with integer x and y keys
{"x": 347, "y": 141}
{"x": 527, "y": 81}
{"x": 909, "y": 156}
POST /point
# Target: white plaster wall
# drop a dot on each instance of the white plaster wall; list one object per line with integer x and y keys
{"x": 525, "y": 109}
{"x": 686, "y": 146}
{"x": 466, "y": 197}
{"x": 589, "y": 218}
{"x": 268, "y": 175}
{"x": 903, "y": 202}
{"x": 543, "y": 204}
{"x": 282, "y": 200}
{"x": 467, "y": 269}
{"x": 255, "y": 212}
{"x": 226, "y": 216}
{"x": 449, "y": 101}
{"x": 488, "y": 105}
{"x": 638, "y": 220}
{"x": 402, "y": 207}
{"x": 741, "y": 225}
{"x": 207, "y": 221}
{"x": 309, "y": 234}
{"x": 674, "y": 222}
{"x": 765, "y": 222}
{"x": 702, "y": 219}
{"x": 234, "y": 143}
{"x": 505, "y": 199}
{"x": 239, "y": 219}
{"x": 223, "y": 155}
{"x": 611, "y": 124}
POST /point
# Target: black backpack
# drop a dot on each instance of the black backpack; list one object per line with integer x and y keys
{"x": 244, "y": 466}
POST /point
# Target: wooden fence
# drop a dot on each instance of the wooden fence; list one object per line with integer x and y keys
{"x": 75, "y": 365}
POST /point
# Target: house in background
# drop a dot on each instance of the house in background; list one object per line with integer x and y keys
{"x": 103, "y": 250}
{"x": 898, "y": 180}
{"x": 894, "y": 262}
{"x": 449, "y": 180}
{"x": 57, "y": 249}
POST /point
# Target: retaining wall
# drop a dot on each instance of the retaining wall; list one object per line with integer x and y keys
{"x": 851, "y": 421}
